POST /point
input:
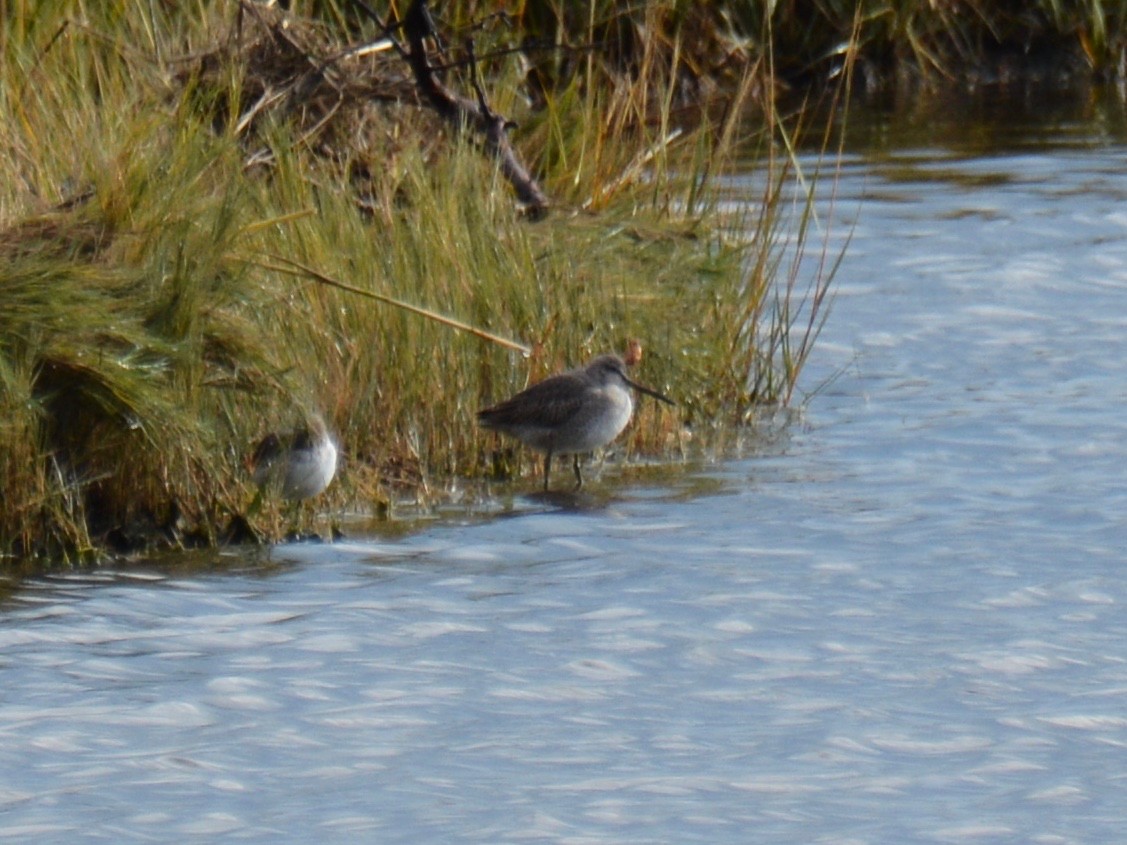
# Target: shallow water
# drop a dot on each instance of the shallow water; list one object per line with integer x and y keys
{"x": 904, "y": 623}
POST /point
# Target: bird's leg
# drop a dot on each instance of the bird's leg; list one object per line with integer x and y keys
{"x": 547, "y": 468}
{"x": 578, "y": 474}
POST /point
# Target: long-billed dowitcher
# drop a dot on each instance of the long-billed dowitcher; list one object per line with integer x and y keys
{"x": 298, "y": 465}
{"x": 571, "y": 413}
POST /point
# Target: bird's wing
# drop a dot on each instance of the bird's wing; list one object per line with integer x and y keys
{"x": 547, "y": 403}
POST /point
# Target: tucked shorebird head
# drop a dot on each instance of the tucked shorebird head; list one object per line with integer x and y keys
{"x": 298, "y": 464}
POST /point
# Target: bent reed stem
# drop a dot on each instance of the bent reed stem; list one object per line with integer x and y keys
{"x": 296, "y": 268}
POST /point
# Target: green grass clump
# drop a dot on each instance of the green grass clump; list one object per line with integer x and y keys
{"x": 183, "y": 204}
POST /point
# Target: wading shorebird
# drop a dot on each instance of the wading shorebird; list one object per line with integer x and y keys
{"x": 298, "y": 465}
{"x": 571, "y": 413}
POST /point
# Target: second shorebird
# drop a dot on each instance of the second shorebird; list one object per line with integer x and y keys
{"x": 298, "y": 465}
{"x": 571, "y": 413}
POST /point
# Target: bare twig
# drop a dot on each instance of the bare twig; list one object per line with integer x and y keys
{"x": 461, "y": 112}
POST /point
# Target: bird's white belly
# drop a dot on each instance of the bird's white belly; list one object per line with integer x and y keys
{"x": 605, "y": 417}
{"x": 309, "y": 471}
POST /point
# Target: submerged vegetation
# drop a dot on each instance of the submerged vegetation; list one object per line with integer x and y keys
{"x": 219, "y": 219}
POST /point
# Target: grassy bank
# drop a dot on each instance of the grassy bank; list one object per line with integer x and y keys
{"x": 177, "y": 189}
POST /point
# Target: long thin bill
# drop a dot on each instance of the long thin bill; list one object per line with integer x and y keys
{"x": 649, "y": 392}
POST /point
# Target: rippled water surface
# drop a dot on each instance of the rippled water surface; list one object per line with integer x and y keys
{"x": 904, "y": 624}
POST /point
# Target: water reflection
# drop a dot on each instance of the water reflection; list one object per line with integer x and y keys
{"x": 987, "y": 121}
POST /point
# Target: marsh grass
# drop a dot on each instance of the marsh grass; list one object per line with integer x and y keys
{"x": 155, "y": 319}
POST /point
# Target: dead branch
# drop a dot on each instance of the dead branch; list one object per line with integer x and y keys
{"x": 490, "y": 128}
